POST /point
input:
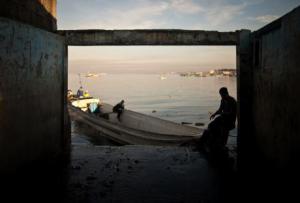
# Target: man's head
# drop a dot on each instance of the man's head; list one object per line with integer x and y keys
{"x": 122, "y": 102}
{"x": 223, "y": 92}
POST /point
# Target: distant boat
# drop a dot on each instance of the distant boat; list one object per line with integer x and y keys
{"x": 227, "y": 73}
{"x": 91, "y": 75}
{"x": 162, "y": 77}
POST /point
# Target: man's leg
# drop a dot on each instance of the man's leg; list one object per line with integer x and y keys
{"x": 225, "y": 134}
{"x": 119, "y": 114}
{"x": 216, "y": 124}
{"x": 204, "y": 140}
{"x": 215, "y": 128}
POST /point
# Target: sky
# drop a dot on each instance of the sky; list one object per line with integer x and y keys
{"x": 221, "y": 15}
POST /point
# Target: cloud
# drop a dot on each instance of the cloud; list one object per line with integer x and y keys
{"x": 146, "y": 14}
{"x": 149, "y": 14}
{"x": 221, "y": 14}
{"x": 185, "y": 6}
{"x": 138, "y": 17}
{"x": 265, "y": 18}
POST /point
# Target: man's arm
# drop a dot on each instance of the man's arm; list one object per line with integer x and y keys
{"x": 219, "y": 111}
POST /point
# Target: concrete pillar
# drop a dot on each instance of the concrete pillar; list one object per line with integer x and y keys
{"x": 66, "y": 139}
{"x": 244, "y": 95}
{"x": 276, "y": 97}
{"x": 33, "y": 85}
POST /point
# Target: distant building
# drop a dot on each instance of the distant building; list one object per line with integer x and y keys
{"x": 217, "y": 72}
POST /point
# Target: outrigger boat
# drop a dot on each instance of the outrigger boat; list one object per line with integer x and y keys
{"x": 134, "y": 127}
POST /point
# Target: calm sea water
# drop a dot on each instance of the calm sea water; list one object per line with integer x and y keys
{"x": 176, "y": 98}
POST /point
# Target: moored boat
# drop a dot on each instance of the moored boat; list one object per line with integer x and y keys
{"x": 134, "y": 127}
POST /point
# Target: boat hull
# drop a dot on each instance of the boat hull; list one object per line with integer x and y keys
{"x": 133, "y": 132}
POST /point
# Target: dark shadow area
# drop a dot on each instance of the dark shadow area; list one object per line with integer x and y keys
{"x": 37, "y": 182}
{"x": 147, "y": 174}
{"x": 32, "y": 157}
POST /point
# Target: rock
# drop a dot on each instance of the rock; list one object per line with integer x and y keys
{"x": 186, "y": 123}
{"x": 154, "y": 111}
{"x": 199, "y": 124}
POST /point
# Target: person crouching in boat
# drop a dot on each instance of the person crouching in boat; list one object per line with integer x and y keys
{"x": 119, "y": 108}
{"x": 94, "y": 108}
{"x": 80, "y": 92}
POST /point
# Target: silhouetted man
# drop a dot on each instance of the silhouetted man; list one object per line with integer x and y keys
{"x": 218, "y": 129}
{"x": 119, "y": 108}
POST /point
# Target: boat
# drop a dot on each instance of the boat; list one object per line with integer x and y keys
{"x": 134, "y": 128}
{"x": 89, "y": 75}
{"x": 162, "y": 77}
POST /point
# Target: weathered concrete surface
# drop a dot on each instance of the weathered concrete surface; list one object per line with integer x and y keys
{"x": 244, "y": 94}
{"x": 148, "y": 37}
{"x": 276, "y": 98}
{"x": 32, "y": 90}
{"x": 145, "y": 174}
{"x": 39, "y": 13}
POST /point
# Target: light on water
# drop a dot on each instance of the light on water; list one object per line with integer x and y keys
{"x": 174, "y": 98}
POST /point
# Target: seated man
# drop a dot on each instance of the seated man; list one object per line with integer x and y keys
{"x": 119, "y": 108}
{"x": 218, "y": 130}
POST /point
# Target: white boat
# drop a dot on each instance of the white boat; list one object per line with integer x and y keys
{"x": 162, "y": 77}
{"x": 134, "y": 127}
{"x": 82, "y": 104}
{"x": 91, "y": 75}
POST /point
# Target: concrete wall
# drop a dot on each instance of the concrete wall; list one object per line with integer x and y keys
{"x": 276, "y": 98}
{"x": 39, "y": 13}
{"x": 148, "y": 37}
{"x": 32, "y": 95}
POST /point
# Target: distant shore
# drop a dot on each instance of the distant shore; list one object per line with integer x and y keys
{"x": 215, "y": 72}
{"x": 218, "y": 72}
